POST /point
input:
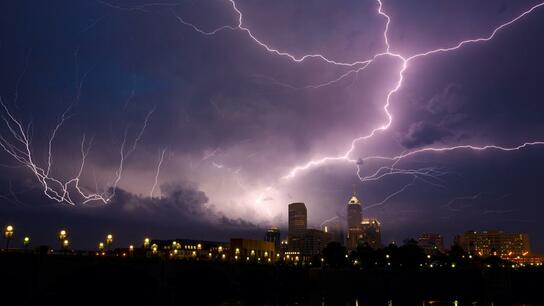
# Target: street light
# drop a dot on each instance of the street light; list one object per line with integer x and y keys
{"x": 63, "y": 234}
{"x": 65, "y": 244}
{"x": 101, "y": 246}
{"x": 8, "y": 234}
{"x": 146, "y": 243}
{"x": 26, "y": 242}
{"x": 109, "y": 240}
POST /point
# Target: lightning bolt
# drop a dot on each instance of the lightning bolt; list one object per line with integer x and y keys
{"x": 55, "y": 189}
{"x": 392, "y": 195}
{"x": 404, "y": 66}
{"x": 17, "y": 144}
{"x": 358, "y": 66}
{"x": 157, "y": 173}
{"x": 429, "y": 175}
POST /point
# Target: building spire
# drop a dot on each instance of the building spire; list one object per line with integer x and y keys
{"x": 354, "y": 199}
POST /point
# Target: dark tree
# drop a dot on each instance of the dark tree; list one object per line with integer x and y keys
{"x": 335, "y": 254}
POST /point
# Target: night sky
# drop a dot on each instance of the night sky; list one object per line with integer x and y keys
{"x": 225, "y": 120}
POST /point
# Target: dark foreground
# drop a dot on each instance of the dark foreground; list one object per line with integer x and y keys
{"x": 28, "y": 279}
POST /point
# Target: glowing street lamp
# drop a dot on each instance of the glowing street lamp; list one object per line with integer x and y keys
{"x": 26, "y": 242}
{"x": 109, "y": 240}
{"x": 8, "y": 234}
{"x": 65, "y": 243}
{"x": 63, "y": 235}
{"x": 147, "y": 241}
{"x": 101, "y": 246}
{"x": 131, "y": 248}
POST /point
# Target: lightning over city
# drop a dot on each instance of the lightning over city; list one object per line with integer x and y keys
{"x": 210, "y": 117}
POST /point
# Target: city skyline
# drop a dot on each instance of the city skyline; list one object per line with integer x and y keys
{"x": 304, "y": 242}
{"x": 205, "y": 120}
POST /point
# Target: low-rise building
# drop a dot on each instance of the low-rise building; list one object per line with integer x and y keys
{"x": 497, "y": 243}
{"x": 252, "y": 250}
{"x": 431, "y": 243}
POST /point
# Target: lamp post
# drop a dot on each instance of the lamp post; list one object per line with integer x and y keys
{"x": 63, "y": 234}
{"x": 147, "y": 241}
{"x": 65, "y": 244}
{"x": 8, "y": 234}
{"x": 26, "y": 242}
{"x": 109, "y": 241}
{"x": 101, "y": 247}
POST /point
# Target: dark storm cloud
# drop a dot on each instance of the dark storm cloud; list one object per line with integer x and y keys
{"x": 183, "y": 210}
{"x": 447, "y": 102}
{"x": 421, "y": 134}
{"x": 179, "y": 203}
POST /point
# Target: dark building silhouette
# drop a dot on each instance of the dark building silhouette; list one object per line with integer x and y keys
{"x": 334, "y": 230}
{"x": 273, "y": 235}
{"x": 371, "y": 233}
{"x": 353, "y": 222}
{"x": 312, "y": 243}
{"x": 252, "y": 250}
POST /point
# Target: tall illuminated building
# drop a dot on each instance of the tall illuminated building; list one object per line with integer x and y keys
{"x": 371, "y": 233}
{"x": 354, "y": 222}
{"x": 298, "y": 223}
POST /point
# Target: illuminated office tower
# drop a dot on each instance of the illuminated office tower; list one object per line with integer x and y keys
{"x": 353, "y": 222}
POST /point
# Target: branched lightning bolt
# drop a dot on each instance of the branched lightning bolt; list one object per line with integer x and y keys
{"x": 356, "y": 67}
{"x": 396, "y": 88}
{"x": 428, "y": 175}
{"x": 17, "y": 144}
{"x": 20, "y": 149}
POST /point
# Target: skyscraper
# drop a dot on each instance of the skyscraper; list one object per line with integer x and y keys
{"x": 371, "y": 233}
{"x": 298, "y": 218}
{"x": 354, "y": 222}
{"x": 298, "y": 222}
